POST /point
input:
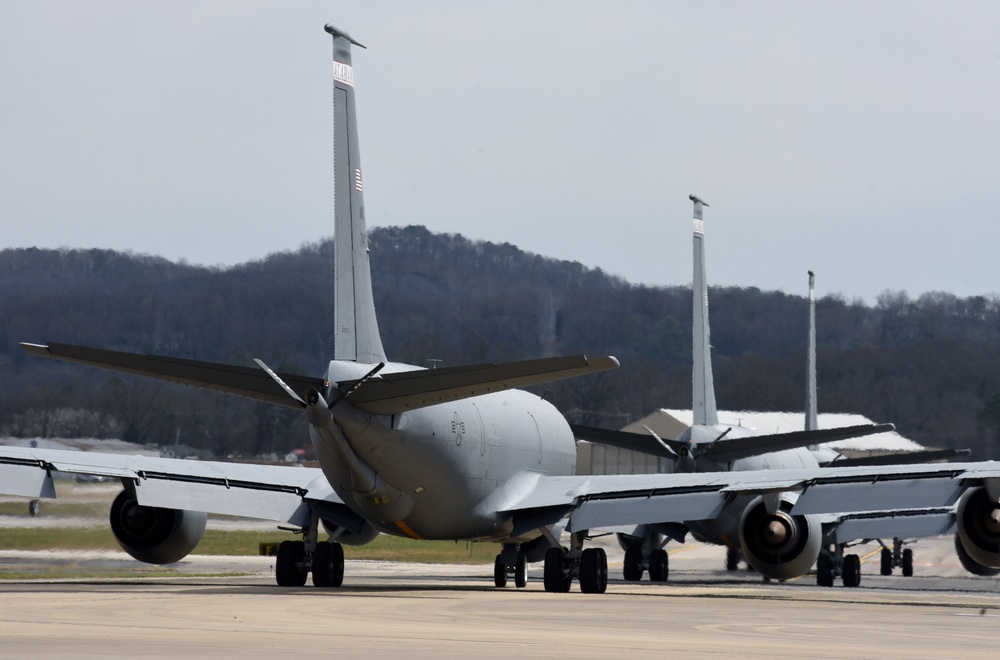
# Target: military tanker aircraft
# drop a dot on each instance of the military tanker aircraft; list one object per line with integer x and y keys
{"x": 708, "y": 446}
{"x": 453, "y": 453}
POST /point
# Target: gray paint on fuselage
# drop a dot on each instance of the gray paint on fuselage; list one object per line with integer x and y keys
{"x": 450, "y": 458}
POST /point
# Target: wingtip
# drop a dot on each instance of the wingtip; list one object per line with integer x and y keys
{"x": 603, "y": 362}
{"x": 35, "y": 349}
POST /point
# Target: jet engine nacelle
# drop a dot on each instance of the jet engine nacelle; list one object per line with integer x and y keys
{"x": 154, "y": 535}
{"x": 779, "y": 545}
{"x": 971, "y": 565}
{"x": 366, "y": 534}
{"x": 979, "y": 527}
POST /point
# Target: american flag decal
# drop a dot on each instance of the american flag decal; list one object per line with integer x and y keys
{"x": 357, "y": 180}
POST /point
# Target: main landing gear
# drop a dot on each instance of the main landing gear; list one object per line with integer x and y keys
{"x": 511, "y": 562}
{"x": 897, "y": 557}
{"x": 590, "y": 566}
{"x": 640, "y": 560}
{"x": 293, "y": 564}
{"x": 832, "y": 563}
{"x": 325, "y": 559}
{"x": 644, "y": 551}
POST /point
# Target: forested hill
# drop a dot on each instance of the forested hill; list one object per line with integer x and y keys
{"x": 928, "y": 364}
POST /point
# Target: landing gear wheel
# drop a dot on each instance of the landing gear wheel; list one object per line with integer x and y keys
{"x": 288, "y": 565}
{"x": 824, "y": 571}
{"x": 886, "y": 566}
{"x": 732, "y": 559}
{"x": 632, "y": 570}
{"x": 852, "y": 571}
{"x": 328, "y": 565}
{"x": 555, "y": 578}
{"x": 907, "y": 563}
{"x": 521, "y": 571}
{"x": 659, "y": 565}
{"x": 499, "y": 572}
{"x": 34, "y": 507}
{"x": 594, "y": 571}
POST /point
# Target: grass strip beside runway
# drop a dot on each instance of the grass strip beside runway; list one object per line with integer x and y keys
{"x": 243, "y": 543}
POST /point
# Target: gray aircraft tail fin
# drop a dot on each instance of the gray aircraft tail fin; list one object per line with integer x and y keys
{"x": 356, "y": 335}
{"x": 703, "y": 401}
{"x": 812, "y": 422}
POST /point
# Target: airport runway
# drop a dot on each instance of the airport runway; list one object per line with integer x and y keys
{"x": 418, "y": 610}
{"x": 389, "y": 609}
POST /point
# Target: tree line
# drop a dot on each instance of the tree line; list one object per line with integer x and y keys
{"x": 927, "y": 364}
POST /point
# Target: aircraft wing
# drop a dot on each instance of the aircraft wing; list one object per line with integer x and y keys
{"x": 405, "y": 390}
{"x": 603, "y": 501}
{"x": 249, "y": 382}
{"x": 727, "y": 449}
{"x": 911, "y": 524}
{"x": 265, "y": 492}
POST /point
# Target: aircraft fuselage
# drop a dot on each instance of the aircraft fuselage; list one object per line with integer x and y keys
{"x": 442, "y": 471}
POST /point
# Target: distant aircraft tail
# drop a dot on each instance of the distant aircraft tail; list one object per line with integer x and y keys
{"x": 812, "y": 421}
{"x": 703, "y": 402}
{"x": 356, "y": 335}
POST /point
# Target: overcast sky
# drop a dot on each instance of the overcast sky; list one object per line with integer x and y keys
{"x": 858, "y": 139}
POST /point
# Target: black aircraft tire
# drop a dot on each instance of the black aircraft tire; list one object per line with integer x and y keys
{"x": 594, "y": 571}
{"x": 521, "y": 571}
{"x": 554, "y": 578}
{"x": 288, "y": 569}
{"x": 824, "y": 571}
{"x": 886, "y": 565}
{"x": 659, "y": 565}
{"x": 328, "y": 565}
{"x": 499, "y": 573}
{"x": 907, "y": 563}
{"x": 852, "y": 571}
{"x": 632, "y": 568}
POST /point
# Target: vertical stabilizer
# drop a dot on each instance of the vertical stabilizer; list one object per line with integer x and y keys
{"x": 812, "y": 423}
{"x": 356, "y": 330}
{"x": 703, "y": 402}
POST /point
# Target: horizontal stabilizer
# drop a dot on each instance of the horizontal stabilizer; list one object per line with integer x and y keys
{"x": 630, "y": 441}
{"x": 725, "y": 450}
{"x": 900, "y": 458}
{"x": 398, "y": 392}
{"x": 249, "y": 382}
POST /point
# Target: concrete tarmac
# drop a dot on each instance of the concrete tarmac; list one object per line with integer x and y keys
{"x": 418, "y": 610}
